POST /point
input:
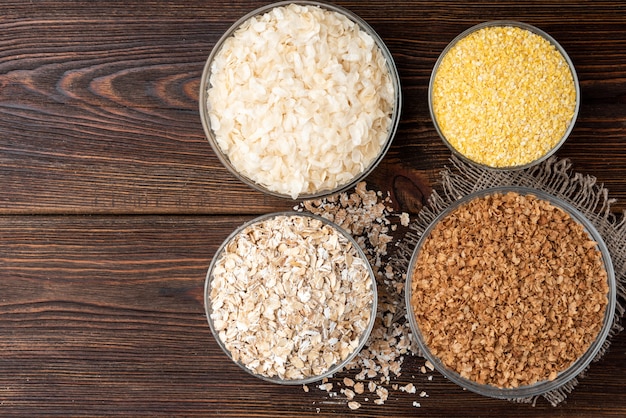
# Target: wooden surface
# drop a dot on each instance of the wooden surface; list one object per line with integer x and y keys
{"x": 112, "y": 202}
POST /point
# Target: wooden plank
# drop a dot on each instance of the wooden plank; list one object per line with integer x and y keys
{"x": 103, "y": 315}
{"x": 99, "y": 114}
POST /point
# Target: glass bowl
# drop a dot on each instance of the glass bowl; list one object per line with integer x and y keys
{"x": 507, "y": 164}
{"x": 277, "y": 322}
{"x": 342, "y": 183}
{"x": 565, "y": 375}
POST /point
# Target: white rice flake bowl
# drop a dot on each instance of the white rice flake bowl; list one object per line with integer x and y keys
{"x": 300, "y": 99}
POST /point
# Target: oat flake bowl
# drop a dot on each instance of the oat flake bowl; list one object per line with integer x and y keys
{"x": 300, "y": 99}
{"x": 504, "y": 95}
{"x": 510, "y": 293}
{"x": 290, "y": 297}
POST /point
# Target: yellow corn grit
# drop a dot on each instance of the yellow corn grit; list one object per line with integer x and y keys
{"x": 503, "y": 96}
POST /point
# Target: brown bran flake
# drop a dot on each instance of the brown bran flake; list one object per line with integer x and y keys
{"x": 509, "y": 290}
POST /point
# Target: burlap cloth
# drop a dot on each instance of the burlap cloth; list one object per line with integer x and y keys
{"x": 553, "y": 176}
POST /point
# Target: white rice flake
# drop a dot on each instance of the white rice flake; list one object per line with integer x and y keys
{"x": 300, "y": 99}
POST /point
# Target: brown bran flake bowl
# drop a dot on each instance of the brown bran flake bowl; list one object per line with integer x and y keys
{"x": 461, "y": 296}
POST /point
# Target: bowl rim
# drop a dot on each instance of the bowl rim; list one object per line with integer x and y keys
{"x": 565, "y": 376}
{"x": 530, "y": 28}
{"x": 362, "y": 339}
{"x": 393, "y": 75}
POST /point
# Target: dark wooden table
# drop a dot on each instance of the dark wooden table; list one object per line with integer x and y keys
{"x": 112, "y": 203}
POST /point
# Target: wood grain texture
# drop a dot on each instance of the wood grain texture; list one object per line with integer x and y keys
{"x": 112, "y": 202}
{"x": 101, "y": 99}
{"x": 104, "y": 315}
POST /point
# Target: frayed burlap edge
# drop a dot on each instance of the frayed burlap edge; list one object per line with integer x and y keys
{"x": 553, "y": 176}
